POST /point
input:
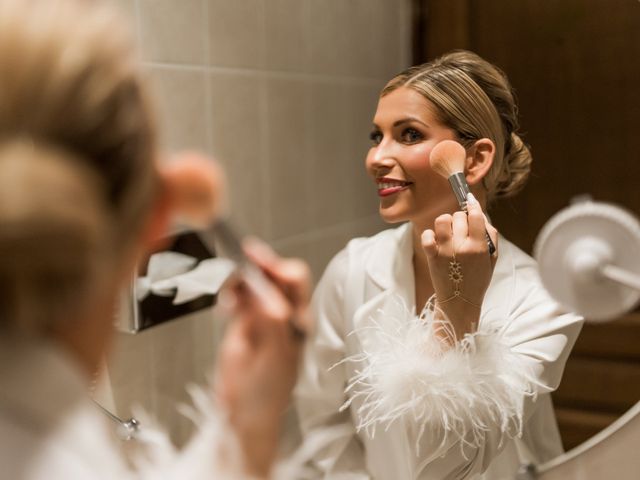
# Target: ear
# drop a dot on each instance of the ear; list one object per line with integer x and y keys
{"x": 479, "y": 160}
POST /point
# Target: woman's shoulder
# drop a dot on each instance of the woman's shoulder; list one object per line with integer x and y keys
{"x": 520, "y": 264}
{"x": 358, "y": 250}
{"x": 361, "y": 248}
{"x": 382, "y": 238}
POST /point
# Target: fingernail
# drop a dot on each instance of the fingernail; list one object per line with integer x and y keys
{"x": 471, "y": 199}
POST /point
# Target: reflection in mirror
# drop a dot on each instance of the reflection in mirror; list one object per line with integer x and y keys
{"x": 573, "y": 66}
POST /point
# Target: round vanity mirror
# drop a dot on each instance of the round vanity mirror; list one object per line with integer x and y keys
{"x": 589, "y": 259}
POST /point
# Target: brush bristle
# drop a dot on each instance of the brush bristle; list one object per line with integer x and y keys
{"x": 195, "y": 184}
{"x": 447, "y": 158}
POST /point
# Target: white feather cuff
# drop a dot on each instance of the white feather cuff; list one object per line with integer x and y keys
{"x": 408, "y": 373}
{"x": 214, "y": 451}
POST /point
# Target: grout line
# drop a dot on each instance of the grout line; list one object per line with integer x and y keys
{"x": 325, "y": 231}
{"x": 264, "y": 142}
{"x": 405, "y": 34}
{"x": 209, "y": 135}
{"x": 277, "y": 74}
{"x": 265, "y": 159}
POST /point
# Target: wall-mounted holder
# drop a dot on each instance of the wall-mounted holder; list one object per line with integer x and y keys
{"x": 589, "y": 260}
{"x": 166, "y": 285}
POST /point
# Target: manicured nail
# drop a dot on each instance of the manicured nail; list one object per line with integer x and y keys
{"x": 471, "y": 199}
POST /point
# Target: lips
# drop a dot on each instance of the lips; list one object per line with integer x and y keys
{"x": 391, "y": 186}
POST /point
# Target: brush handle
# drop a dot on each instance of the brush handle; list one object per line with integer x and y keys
{"x": 460, "y": 189}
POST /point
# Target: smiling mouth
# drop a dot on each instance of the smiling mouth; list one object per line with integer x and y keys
{"x": 388, "y": 186}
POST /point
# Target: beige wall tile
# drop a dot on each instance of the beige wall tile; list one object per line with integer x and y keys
{"x": 368, "y": 226}
{"x": 237, "y": 33}
{"x": 238, "y": 131}
{"x": 153, "y": 368}
{"x": 299, "y": 247}
{"x": 288, "y": 172}
{"x": 286, "y": 35}
{"x": 293, "y": 146}
{"x": 181, "y": 96}
{"x": 328, "y": 34}
{"x": 373, "y": 38}
{"x": 385, "y": 44}
{"x": 130, "y": 374}
{"x": 321, "y": 246}
{"x": 329, "y": 156}
{"x": 173, "y": 32}
{"x": 362, "y": 103}
{"x": 325, "y": 246}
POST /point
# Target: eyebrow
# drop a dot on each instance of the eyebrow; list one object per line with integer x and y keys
{"x": 402, "y": 121}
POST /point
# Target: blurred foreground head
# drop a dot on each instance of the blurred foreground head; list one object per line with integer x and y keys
{"x": 77, "y": 150}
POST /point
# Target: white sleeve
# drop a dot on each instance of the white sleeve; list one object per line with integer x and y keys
{"x": 469, "y": 397}
{"x": 321, "y": 389}
{"x": 213, "y": 452}
{"x": 533, "y": 349}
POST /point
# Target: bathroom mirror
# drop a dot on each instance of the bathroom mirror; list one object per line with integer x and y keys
{"x": 589, "y": 260}
{"x": 286, "y": 94}
{"x": 574, "y": 68}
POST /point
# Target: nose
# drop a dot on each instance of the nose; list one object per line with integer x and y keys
{"x": 381, "y": 157}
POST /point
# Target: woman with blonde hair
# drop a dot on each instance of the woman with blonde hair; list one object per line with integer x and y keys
{"x": 81, "y": 197}
{"x": 437, "y": 355}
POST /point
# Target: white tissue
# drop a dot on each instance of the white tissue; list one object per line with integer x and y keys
{"x": 206, "y": 279}
{"x": 172, "y": 273}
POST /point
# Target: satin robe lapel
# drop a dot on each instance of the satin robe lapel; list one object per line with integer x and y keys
{"x": 389, "y": 281}
{"x": 499, "y": 297}
{"x": 389, "y": 284}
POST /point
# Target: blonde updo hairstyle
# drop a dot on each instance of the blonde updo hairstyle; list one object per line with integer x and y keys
{"x": 77, "y": 144}
{"x": 474, "y": 98}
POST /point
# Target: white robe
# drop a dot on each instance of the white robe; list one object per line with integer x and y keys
{"x": 360, "y": 291}
{"x": 50, "y": 430}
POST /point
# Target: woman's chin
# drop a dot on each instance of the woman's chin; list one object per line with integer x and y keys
{"x": 388, "y": 215}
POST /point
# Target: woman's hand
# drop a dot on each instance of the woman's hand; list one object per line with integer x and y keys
{"x": 460, "y": 265}
{"x": 258, "y": 360}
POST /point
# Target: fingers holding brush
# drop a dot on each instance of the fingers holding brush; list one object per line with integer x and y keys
{"x": 481, "y": 232}
{"x": 291, "y": 276}
{"x": 459, "y": 265}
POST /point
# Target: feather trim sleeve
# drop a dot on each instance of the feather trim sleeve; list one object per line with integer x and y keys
{"x": 460, "y": 392}
{"x": 214, "y": 451}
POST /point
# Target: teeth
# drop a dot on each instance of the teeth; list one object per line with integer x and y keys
{"x": 384, "y": 185}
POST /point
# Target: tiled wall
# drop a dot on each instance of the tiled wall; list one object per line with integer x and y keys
{"x": 282, "y": 92}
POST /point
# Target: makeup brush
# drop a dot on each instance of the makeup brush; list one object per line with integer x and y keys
{"x": 196, "y": 187}
{"x": 447, "y": 158}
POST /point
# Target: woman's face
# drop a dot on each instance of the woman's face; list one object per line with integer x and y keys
{"x": 404, "y": 133}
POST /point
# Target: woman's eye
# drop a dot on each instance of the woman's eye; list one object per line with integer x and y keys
{"x": 411, "y": 135}
{"x": 376, "y": 137}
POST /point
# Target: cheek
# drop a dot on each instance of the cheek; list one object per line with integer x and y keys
{"x": 417, "y": 162}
